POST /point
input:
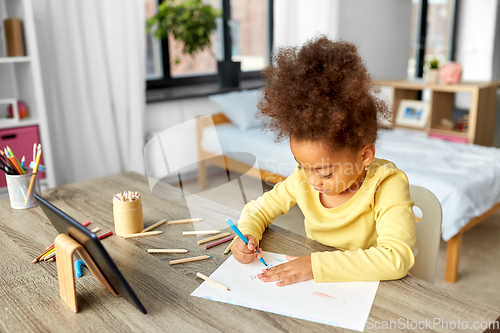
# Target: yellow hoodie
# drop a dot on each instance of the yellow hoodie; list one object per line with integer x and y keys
{"x": 375, "y": 229}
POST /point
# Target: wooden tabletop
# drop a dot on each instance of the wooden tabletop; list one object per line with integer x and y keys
{"x": 29, "y": 295}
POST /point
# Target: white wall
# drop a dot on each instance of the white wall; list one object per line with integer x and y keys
{"x": 478, "y": 48}
{"x": 380, "y": 29}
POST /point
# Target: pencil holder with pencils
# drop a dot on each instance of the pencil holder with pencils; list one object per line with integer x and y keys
{"x": 22, "y": 188}
{"x": 127, "y": 213}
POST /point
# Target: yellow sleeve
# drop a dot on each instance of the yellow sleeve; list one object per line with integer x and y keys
{"x": 393, "y": 257}
{"x": 258, "y": 214}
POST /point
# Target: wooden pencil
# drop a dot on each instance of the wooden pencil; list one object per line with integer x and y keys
{"x": 184, "y": 221}
{"x": 221, "y": 241}
{"x": 143, "y": 234}
{"x": 213, "y": 282}
{"x": 226, "y": 251}
{"x": 49, "y": 256}
{"x": 41, "y": 255}
{"x": 47, "y": 253}
{"x": 32, "y": 181}
{"x": 167, "y": 251}
{"x": 200, "y": 233}
{"x": 181, "y": 261}
{"x": 209, "y": 239}
{"x": 154, "y": 225}
{"x": 109, "y": 233}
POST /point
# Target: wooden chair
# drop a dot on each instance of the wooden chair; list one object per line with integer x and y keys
{"x": 428, "y": 233}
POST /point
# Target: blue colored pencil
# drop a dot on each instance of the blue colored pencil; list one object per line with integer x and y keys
{"x": 243, "y": 238}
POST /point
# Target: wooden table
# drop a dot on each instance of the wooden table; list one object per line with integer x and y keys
{"x": 29, "y": 296}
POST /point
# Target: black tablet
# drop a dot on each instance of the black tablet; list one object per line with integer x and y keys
{"x": 67, "y": 225}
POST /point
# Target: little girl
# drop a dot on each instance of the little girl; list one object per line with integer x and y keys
{"x": 320, "y": 97}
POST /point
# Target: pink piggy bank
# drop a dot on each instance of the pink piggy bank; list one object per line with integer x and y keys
{"x": 450, "y": 73}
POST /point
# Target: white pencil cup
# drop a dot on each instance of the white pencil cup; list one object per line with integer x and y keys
{"x": 128, "y": 217}
{"x": 18, "y": 186}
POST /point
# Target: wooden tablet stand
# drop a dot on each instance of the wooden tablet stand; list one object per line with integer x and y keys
{"x": 65, "y": 247}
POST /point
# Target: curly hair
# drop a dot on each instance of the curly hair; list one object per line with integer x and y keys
{"x": 321, "y": 92}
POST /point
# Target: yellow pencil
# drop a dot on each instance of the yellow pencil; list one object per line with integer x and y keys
{"x": 47, "y": 253}
{"x": 32, "y": 182}
{"x": 154, "y": 225}
{"x": 229, "y": 247}
{"x": 180, "y": 261}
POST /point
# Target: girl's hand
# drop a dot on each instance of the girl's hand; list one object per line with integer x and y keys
{"x": 243, "y": 253}
{"x": 297, "y": 269}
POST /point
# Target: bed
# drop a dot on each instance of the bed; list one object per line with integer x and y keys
{"x": 465, "y": 178}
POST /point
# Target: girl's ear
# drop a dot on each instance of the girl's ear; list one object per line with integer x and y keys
{"x": 368, "y": 154}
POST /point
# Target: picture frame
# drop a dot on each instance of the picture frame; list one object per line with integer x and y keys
{"x": 412, "y": 113}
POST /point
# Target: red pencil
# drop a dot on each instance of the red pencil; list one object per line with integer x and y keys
{"x": 106, "y": 235}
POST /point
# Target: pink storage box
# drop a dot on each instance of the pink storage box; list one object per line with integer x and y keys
{"x": 20, "y": 140}
{"x": 449, "y": 137}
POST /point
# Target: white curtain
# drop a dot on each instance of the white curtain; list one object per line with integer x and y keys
{"x": 296, "y": 21}
{"x": 93, "y": 70}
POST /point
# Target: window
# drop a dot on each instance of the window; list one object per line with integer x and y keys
{"x": 251, "y": 37}
{"x": 154, "y": 69}
{"x": 432, "y": 33}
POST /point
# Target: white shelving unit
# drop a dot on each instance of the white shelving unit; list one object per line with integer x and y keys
{"x": 20, "y": 79}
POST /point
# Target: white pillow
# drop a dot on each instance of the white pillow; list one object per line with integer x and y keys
{"x": 239, "y": 106}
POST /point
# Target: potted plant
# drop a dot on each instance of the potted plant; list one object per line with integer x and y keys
{"x": 190, "y": 22}
{"x": 433, "y": 72}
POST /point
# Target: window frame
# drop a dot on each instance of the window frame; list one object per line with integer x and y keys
{"x": 422, "y": 35}
{"x": 167, "y": 81}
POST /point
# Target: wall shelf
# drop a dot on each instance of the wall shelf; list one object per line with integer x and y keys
{"x": 482, "y": 111}
{"x": 13, "y": 60}
{"x": 21, "y": 80}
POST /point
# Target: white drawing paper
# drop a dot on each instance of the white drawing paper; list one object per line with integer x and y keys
{"x": 342, "y": 304}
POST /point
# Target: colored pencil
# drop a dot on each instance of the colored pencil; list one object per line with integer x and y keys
{"x": 226, "y": 251}
{"x": 32, "y": 182}
{"x": 200, "y": 233}
{"x": 8, "y": 162}
{"x": 49, "y": 256}
{"x": 181, "y": 261}
{"x": 154, "y": 225}
{"x": 22, "y": 162}
{"x": 209, "y": 239}
{"x": 47, "y": 253}
{"x": 185, "y": 221}
{"x": 243, "y": 238}
{"x": 105, "y": 235}
{"x": 213, "y": 282}
{"x": 221, "y": 241}
{"x": 86, "y": 223}
{"x": 143, "y": 234}
{"x": 167, "y": 251}
{"x": 11, "y": 153}
{"x": 12, "y": 161}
